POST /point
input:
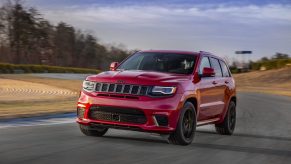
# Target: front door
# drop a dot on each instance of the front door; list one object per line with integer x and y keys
{"x": 211, "y": 90}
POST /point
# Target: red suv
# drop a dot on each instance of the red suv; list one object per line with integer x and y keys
{"x": 165, "y": 92}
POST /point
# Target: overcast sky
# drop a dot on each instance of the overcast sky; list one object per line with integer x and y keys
{"x": 218, "y": 26}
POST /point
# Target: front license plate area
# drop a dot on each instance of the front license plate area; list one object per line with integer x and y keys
{"x": 115, "y": 117}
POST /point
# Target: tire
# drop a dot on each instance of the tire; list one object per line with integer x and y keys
{"x": 97, "y": 132}
{"x": 186, "y": 126}
{"x": 228, "y": 125}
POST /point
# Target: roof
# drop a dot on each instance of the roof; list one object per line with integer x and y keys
{"x": 172, "y": 51}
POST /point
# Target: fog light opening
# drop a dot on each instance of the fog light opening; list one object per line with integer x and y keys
{"x": 80, "y": 112}
{"x": 161, "y": 120}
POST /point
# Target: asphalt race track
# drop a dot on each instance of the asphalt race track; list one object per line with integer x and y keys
{"x": 263, "y": 135}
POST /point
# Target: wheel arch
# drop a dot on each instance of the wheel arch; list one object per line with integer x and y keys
{"x": 222, "y": 117}
{"x": 194, "y": 101}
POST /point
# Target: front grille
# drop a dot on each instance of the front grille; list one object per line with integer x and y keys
{"x": 122, "y": 88}
{"x": 124, "y": 115}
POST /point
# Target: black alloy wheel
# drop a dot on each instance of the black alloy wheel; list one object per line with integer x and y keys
{"x": 228, "y": 125}
{"x": 186, "y": 126}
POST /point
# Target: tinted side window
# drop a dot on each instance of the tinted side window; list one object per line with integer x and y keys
{"x": 224, "y": 68}
{"x": 216, "y": 66}
{"x": 204, "y": 63}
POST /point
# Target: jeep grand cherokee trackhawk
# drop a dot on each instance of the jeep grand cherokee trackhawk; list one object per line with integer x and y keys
{"x": 158, "y": 91}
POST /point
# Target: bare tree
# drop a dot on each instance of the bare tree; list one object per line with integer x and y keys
{"x": 26, "y": 37}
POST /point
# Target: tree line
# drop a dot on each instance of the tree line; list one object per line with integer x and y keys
{"x": 28, "y": 38}
{"x": 279, "y": 60}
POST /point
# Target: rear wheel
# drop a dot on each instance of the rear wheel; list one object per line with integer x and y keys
{"x": 88, "y": 131}
{"x": 185, "y": 130}
{"x": 228, "y": 124}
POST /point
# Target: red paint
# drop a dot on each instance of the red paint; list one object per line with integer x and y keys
{"x": 212, "y": 95}
{"x": 208, "y": 72}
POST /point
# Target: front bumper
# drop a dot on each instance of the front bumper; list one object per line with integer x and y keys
{"x": 151, "y": 107}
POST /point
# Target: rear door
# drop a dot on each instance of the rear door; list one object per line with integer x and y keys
{"x": 227, "y": 81}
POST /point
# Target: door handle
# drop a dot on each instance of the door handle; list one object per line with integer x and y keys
{"x": 226, "y": 82}
{"x": 214, "y": 82}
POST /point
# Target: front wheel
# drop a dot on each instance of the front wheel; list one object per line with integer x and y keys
{"x": 97, "y": 132}
{"x": 185, "y": 130}
{"x": 228, "y": 124}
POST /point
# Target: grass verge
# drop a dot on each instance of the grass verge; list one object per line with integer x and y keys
{"x": 277, "y": 81}
{"x": 36, "y": 107}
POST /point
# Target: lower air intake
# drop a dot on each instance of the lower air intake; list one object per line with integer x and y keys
{"x": 115, "y": 114}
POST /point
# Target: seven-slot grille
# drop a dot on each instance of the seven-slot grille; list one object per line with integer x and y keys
{"x": 107, "y": 113}
{"x": 122, "y": 88}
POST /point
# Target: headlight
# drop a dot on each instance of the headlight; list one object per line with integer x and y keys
{"x": 160, "y": 90}
{"x": 89, "y": 86}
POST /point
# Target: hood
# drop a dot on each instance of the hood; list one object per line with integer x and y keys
{"x": 138, "y": 77}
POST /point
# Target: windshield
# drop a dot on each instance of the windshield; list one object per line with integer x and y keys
{"x": 160, "y": 62}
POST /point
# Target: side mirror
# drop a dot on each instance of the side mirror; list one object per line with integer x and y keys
{"x": 208, "y": 72}
{"x": 113, "y": 66}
